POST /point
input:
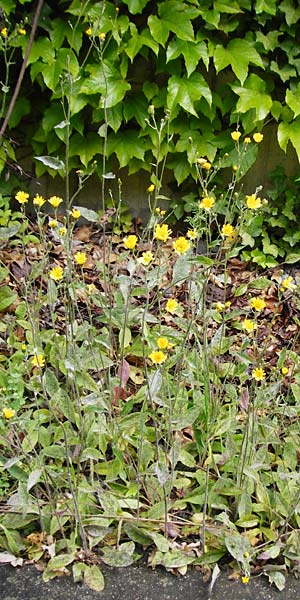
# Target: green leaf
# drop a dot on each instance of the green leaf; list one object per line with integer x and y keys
{"x": 93, "y": 578}
{"x": 238, "y": 54}
{"x": 292, "y": 99}
{"x": 253, "y": 96}
{"x": 136, "y": 6}
{"x": 107, "y": 81}
{"x": 278, "y": 579}
{"x": 126, "y": 146}
{"x": 41, "y": 48}
{"x": 158, "y": 29}
{"x": 186, "y": 91}
{"x": 292, "y": 13}
{"x": 51, "y": 383}
{"x": 86, "y": 147}
{"x": 7, "y": 297}
{"x": 192, "y": 52}
{"x": 60, "y": 561}
{"x": 123, "y": 556}
{"x": 88, "y": 214}
{"x": 289, "y": 132}
{"x": 33, "y": 478}
{"x": 177, "y": 16}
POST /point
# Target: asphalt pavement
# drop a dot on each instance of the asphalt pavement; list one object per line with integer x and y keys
{"x": 139, "y": 583}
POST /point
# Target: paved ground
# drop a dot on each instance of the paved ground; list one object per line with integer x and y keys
{"x": 138, "y": 583}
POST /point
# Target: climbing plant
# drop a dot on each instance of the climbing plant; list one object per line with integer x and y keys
{"x": 207, "y": 66}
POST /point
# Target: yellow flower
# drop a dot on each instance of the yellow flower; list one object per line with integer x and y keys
{"x": 192, "y": 234}
{"x": 207, "y": 166}
{"x": 89, "y": 31}
{"x": 56, "y": 273}
{"x": 38, "y": 201}
{"x": 249, "y": 325}
{"x": 80, "y": 258}
{"x": 146, "y": 258}
{"x": 258, "y": 137}
{"x": 55, "y": 201}
{"x": 245, "y": 579}
{"x": 157, "y": 357}
{"x": 253, "y": 202}
{"x": 257, "y": 303}
{"x": 236, "y": 135}
{"x": 207, "y": 202}
{"x": 4, "y": 32}
{"x": 53, "y": 223}
{"x": 247, "y": 140}
{"x": 220, "y": 306}
{"x": 22, "y": 31}
{"x": 162, "y": 232}
{"x": 258, "y": 374}
{"x": 91, "y": 289}
{"x": 181, "y": 245}
{"x": 235, "y": 168}
{"x": 130, "y": 242}
{"x": 38, "y": 360}
{"x": 8, "y": 413}
{"x": 62, "y": 231}
{"x": 163, "y": 343}
{"x": 201, "y": 161}
{"x": 102, "y": 36}
{"x": 151, "y": 188}
{"x": 287, "y": 284}
{"x": 172, "y": 305}
{"x": 227, "y": 230}
{"x": 75, "y": 213}
{"x": 284, "y": 370}
{"x": 22, "y": 197}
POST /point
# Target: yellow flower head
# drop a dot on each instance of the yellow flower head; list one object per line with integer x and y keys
{"x": 257, "y": 303}
{"x": 55, "y": 201}
{"x": 88, "y": 31}
{"x": 62, "y": 231}
{"x": 53, "y": 223}
{"x": 157, "y": 357}
{"x": 227, "y": 230}
{"x": 162, "y": 232}
{"x": 181, "y": 245}
{"x": 91, "y": 289}
{"x": 207, "y": 165}
{"x": 56, "y": 273}
{"x": 8, "y": 413}
{"x": 22, "y": 197}
{"x": 284, "y": 370}
{"x": 245, "y": 579}
{"x": 38, "y": 201}
{"x": 151, "y": 188}
{"x": 4, "y": 32}
{"x": 192, "y": 234}
{"x": 146, "y": 258}
{"x": 172, "y": 306}
{"x": 258, "y": 374}
{"x": 207, "y": 202}
{"x": 236, "y": 135}
{"x": 38, "y": 360}
{"x": 253, "y": 202}
{"x": 258, "y": 137}
{"x": 130, "y": 242}
{"x": 163, "y": 343}
{"x": 102, "y": 36}
{"x": 22, "y": 31}
{"x": 220, "y": 306}
{"x": 287, "y": 284}
{"x": 80, "y": 258}
{"x": 247, "y": 140}
{"x": 75, "y": 213}
{"x": 249, "y": 325}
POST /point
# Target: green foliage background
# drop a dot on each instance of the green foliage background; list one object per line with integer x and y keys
{"x": 209, "y": 65}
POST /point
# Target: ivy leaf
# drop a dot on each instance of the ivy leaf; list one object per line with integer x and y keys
{"x": 253, "y": 95}
{"x": 191, "y": 51}
{"x": 289, "y": 132}
{"x": 136, "y": 6}
{"x": 125, "y": 146}
{"x": 293, "y": 100}
{"x": 292, "y": 14}
{"x": 177, "y": 16}
{"x": 85, "y": 147}
{"x": 186, "y": 91}
{"x": 158, "y": 29}
{"x": 239, "y": 53}
{"x": 50, "y": 161}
